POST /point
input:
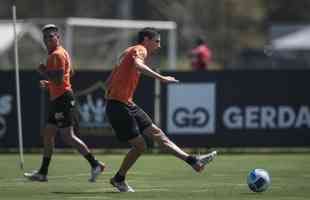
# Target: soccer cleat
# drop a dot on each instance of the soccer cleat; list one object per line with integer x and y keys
{"x": 121, "y": 186}
{"x": 35, "y": 176}
{"x": 96, "y": 171}
{"x": 203, "y": 160}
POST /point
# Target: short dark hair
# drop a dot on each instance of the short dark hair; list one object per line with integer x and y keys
{"x": 147, "y": 32}
{"x": 200, "y": 40}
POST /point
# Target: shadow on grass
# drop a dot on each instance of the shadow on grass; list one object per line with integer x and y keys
{"x": 250, "y": 193}
{"x": 85, "y": 193}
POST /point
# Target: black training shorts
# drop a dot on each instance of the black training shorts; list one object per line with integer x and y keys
{"x": 128, "y": 121}
{"x": 63, "y": 111}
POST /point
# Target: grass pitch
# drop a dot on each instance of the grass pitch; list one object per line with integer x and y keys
{"x": 160, "y": 177}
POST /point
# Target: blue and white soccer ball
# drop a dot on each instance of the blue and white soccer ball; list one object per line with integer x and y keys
{"x": 258, "y": 180}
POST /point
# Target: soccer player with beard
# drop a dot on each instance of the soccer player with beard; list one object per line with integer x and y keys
{"x": 128, "y": 120}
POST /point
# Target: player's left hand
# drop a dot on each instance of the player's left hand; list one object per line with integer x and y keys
{"x": 43, "y": 84}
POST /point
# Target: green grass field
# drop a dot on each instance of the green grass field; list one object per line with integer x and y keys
{"x": 159, "y": 177}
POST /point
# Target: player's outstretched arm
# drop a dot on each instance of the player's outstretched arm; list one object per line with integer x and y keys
{"x": 144, "y": 69}
{"x": 169, "y": 79}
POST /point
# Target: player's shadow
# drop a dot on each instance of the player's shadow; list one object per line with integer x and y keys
{"x": 250, "y": 193}
{"x": 85, "y": 193}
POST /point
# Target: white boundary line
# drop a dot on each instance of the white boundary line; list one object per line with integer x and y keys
{"x": 6, "y": 180}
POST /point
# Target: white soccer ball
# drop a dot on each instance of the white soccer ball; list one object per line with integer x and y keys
{"x": 258, "y": 180}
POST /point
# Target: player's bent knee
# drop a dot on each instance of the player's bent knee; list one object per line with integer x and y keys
{"x": 48, "y": 138}
{"x": 67, "y": 138}
{"x": 138, "y": 143}
{"x": 141, "y": 148}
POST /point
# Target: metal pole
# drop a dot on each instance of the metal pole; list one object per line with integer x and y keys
{"x": 19, "y": 120}
{"x": 172, "y": 49}
{"x": 69, "y": 37}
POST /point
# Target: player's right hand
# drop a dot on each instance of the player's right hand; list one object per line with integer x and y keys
{"x": 43, "y": 84}
{"x": 169, "y": 79}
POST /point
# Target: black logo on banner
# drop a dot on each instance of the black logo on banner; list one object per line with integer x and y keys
{"x": 184, "y": 117}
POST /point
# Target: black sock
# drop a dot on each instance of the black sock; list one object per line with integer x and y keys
{"x": 191, "y": 160}
{"x": 91, "y": 159}
{"x": 119, "y": 178}
{"x": 44, "y": 165}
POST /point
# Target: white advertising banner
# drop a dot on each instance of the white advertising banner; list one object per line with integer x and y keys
{"x": 191, "y": 108}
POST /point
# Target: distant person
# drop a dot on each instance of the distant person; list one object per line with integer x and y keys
{"x": 62, "y": 114}
{"x": 128, "y": 120}
{"x": 200, "y": 55}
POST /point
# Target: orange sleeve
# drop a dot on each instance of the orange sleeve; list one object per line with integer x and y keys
{"x": 56, "y": 61}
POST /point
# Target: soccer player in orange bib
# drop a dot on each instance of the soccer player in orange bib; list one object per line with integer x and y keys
{"x": 63, "y": 113}
{"x": 128, "y": 120}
